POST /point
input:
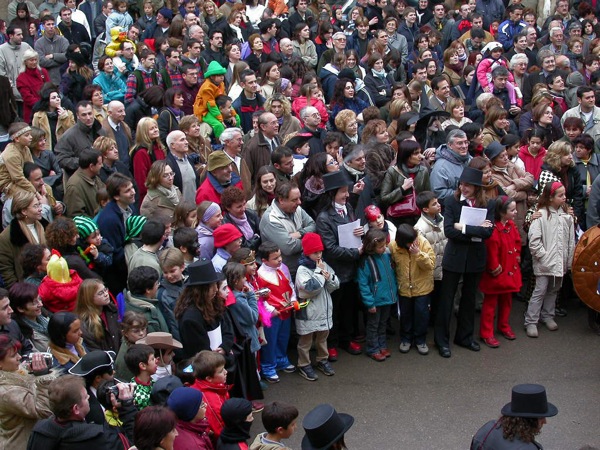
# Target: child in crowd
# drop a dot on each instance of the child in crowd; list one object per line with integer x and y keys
{"x": 119, "y": 17}
{"x": 379, "y": 291}
{"x": 279, "y": 419}
{"x": 512, "y": 142}
{"x": 96, "y": 252}
{"x": 533, "y": 152}
{"x": 502, "y": 276}
{"x": 298, "y": 143}
{"x": 192, "y": 427}
{"x": 492, "y": 58}
{"x": 152, "y": 238}
{"x": 171, "y": 285}
{"x": 133, "y": 231}
{"x": 228, "y": 239}
{"x": 552, "y": 244}
{"x": 275, "y": 275}
{"x": 205, "y": 106}
{"x": 315, "y": 281}
{"x": 164, "y": 349}
{"x": 133, "y": 328}
{"x": 186, "y": 240}
{"x": 141, "y": 297}
{"x": 414, "y": 262}
{"x": 210, "y": 374}
{"x": 431, "y": 226}
{"x": 102, "y": 198}
{"x": 141, "y": 362}
{"x": 375, "y": 219}
{"x": 237, "y": 417}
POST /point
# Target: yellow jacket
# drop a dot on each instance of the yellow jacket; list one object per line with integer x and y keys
{"x": 414, "y": 273}
{"x": 207, "y": 94}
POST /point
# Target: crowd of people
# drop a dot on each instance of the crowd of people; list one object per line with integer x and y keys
{"x": 187, "y": 187}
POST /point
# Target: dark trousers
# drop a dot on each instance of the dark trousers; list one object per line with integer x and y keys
{"x": 345, "y": 314}
{"x": 466, "y": 311}
{"x": 414, "y": 318}
{"x": 376, "y": 325}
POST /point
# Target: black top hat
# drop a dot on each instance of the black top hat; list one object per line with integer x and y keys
{"x": 529, "y": 400}
{"x": 324, "y": 426}
{"x": 93, "y": 361}
{"x": 202, "y": 272}
{"x": 493, "y": 150}
{"x": 471, "y": 176}
{"x": 298, "y": 141}
{"x": 336, "y": 180}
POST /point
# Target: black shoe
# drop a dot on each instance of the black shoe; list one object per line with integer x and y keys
{"x": 473, "y": 346}
{"x": 560, "y": 312}
{"x": 445, "y": 352}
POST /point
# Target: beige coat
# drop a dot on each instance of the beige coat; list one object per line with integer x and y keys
{"x": 40, "y": 120}
{"x": 157, "y": 206}
{"x": 12, "y": 178}
{"x": 23, "y": 401}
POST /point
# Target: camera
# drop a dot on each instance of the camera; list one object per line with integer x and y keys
{"x": 27, "y": 360}
{"x": 113, "y": 390}
{"x": 264, "y": 292}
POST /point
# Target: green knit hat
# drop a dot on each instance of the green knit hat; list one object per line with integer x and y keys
{"x": 133, "y": 226}
{"x": 85, "y": 226}
{"x": 214, "y": 68}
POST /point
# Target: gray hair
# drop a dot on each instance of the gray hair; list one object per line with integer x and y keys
{"x": 172, "y": 136}
{"x": 454, "y": 135}
{"x": 499, "y": 71}
{"x": 543, "y": 54}
{"x": 482, "y": 99}
{"x": 229, "y": 133}
{"x": 517, "y": 58}
{"x": 193, "y": 29}
{"x": 553, "y": 30}
{"x": 307, "y": 111}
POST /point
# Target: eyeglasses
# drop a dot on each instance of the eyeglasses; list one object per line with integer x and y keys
{"x": 168, "y": 174}
{"x": 333, "y": 162}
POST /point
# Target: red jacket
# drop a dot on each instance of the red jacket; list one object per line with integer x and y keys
{"x": 29, "y": 84}
{"x": 60, "y": 296}
{"x": 192, "y": 436}
{"x": 208, "y": 191}
{"x": 214, "y": 396}
{"x": 503, "y": 249}
{"x": 533, "y": 164}
{"x": 141, "y": 166}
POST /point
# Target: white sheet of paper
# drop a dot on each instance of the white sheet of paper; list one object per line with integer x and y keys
{"x": 346, "y": 235}
{"x": 216, "y": 339}
{"x": 472, "y": 216}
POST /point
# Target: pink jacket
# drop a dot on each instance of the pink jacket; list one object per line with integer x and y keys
{"x": 484, "y": 72}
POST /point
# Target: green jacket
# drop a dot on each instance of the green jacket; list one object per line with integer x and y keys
{"x": 149, "y": 308}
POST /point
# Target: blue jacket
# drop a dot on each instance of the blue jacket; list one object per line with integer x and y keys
{"x": 245, "y": 313}
{"x": 377, "y": 281}
{"x": 507, "y": 30}
{"x": 113, "y": 88}
{"x": 112, "y": 227}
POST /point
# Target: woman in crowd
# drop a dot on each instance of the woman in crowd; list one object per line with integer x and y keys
{"x": 197, "y": 145}
{"x": 463, "y": 257}
{"x": 310, "y": 181}
{"x": 264, "y": 191}
{"x": 99, "y": 317}
{"x": 113, "y": 86}
{"x": 52, "y": 117}
{"x": 148, "y": 148}
{"x": 375, "y": 131}
{"x": 337, "y": 211}
{"x": 543, "y": 119}
{"x": 199, "y": 310}
{"x": 376, "y": 81}
{"x": 163, "y": 196}
{"x": 27, "y": 312}
{"x": 234, "y": 88}
{"x": 347, "y": 125}
{"x": 456, "y": 108}
{"x": 23, "y": 229}
{"x": 209, "y": 217}
{"x": 155, "y": 427}
{"x": 279, "y": 105}
{"x": 62, "y": 236}
{"x": 308, "y": 97}
{"x": 257, "y": 57}
{"x": 30, "y": 81}
{"x": 170, "y": 115}
{"x": 344, "y": 98}
{"x": 323, "y": 40}
{"x": 303, "y": 45}
{"x": 405, "y": 180}
{"x": 34, "y": 261}
{"x": 93, "y": 93}
{"x": 586, "y": 161}
{"x": 452, "y": 66}
{"x": 24, "y": 396}
{"x": 46, "y": 161}
{"x": 495, "y": 125}
{"x": 234, "y": 31}
{"x": 235, "y": 212}
{"x": 490, "y": 187}
{"x": 66, "y": 342}
{"x": 110, "y": 158}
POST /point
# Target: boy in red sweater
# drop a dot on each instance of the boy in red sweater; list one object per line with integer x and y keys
{"x": 210, "y": 373}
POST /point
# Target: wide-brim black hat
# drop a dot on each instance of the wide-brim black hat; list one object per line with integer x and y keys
{"x": 529, "y": 400}
{"x": 472, "y": 176}
{"x": 202, "y": 272}
{"x": 298, "y": 141}
{"x": 336, "y": 180}
{"x": 324, "y": 426}
{"x": 493, "y": 150}
{"x": 92, "y": 361}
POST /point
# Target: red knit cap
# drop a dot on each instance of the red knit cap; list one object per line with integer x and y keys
{"x": 372, "y": 212}
{"x": 312, "y": 243}
{"x": 225, "y": 234}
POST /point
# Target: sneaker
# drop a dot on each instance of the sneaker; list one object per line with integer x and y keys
{"x": 290, "y": 368}
{"x": 551, "y": 324}
{"x": 532, "y": 330}
{"x": 326, "y": 368}
{"x": 333, "y": 354}
{"x": 422, "y": 349}
{"x": 257, "y": 407}
{"x": 271, "y": 378}
{"x": 377, "y": 357}
{"x": 404, "y": 347}
{"x": 308, "y": 372}
{"x": 386, "y": 352}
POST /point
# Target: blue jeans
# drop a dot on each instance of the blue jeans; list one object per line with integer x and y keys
{"x": 376, "y": 325}
{"x": 414, "y": 318}
{"x": 273, "y": 356}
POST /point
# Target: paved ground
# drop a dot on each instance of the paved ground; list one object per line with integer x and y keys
{"x": 427, "y": 402}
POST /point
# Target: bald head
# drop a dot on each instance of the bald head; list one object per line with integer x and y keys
{"x": 116, "y": 111}
{"x": 177, "y": 143}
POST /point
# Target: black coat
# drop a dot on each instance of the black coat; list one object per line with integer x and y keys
{"x": 178, "y": 180}
{"x": 379, "y": 90}
{"x": 465, "y": 253}
{"x": 112, "y": 333}
{"x": 193, "y": 330}
{"x": 344, "y": 261}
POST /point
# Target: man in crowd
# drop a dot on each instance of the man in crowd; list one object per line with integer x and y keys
{"x": 143, "y": 77}
{"x": 312, "y": 122}
{"x": 83, "y": 186}
{"x": 52, "y": 48}
{"x": 450, "y": 160}
{"x": 220, "y": 176}
{"x": 249, "y": 100}
{"x": 189, "y": 87}
{"x": 215, "y": 50}
{"x": 257, "y": 152}
{"x": 232, "y": 139}
{"x": 74, "y": 32}
{"x": 171, "y": 74}
{"x": 185, "y": 177}
{"x": 11, "y": 58}
{"x": 115, "y": 128}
